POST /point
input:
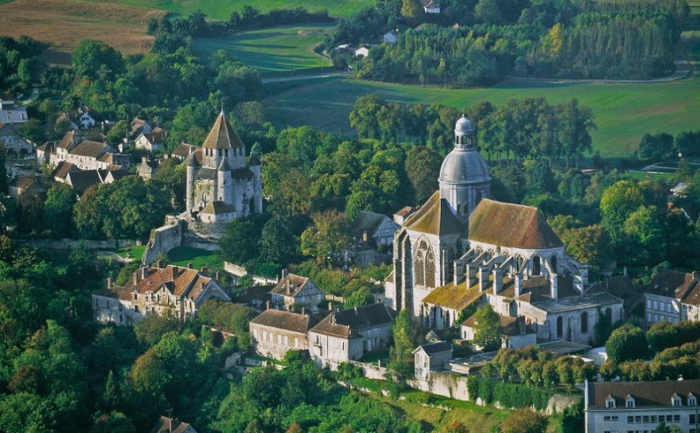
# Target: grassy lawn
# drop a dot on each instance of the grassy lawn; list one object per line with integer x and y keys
{"x": 222, "y": 9}
{"x": 135, "y": 253}
{"x": 623, "y": 112}
{"x": 64, "y": 23}
{"x": 181, "y": 256}
{"x": 272, "y": 51}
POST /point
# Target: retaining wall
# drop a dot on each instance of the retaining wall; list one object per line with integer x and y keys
{"x": 163, "y": 239}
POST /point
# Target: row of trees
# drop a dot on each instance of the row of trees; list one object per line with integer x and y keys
{"x": 657, "y": 147}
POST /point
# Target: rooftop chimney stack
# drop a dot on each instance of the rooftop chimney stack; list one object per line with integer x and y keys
{"x": 518, "y": 283}
{"x": 303, "y": 311}
{"x": 289, "y": 288}
{"x": 217, "y": 276}
{"x": 330, "y": 306}
{"x": 109, "y": 282}
{"x": 267, "y": 305}
{"x": 204, "y": 271}
{"x": 136, "y": 278}
{"x": 284, "y": 273}
{"x": 144, "y": 272}
{"x": 189, "y": 265}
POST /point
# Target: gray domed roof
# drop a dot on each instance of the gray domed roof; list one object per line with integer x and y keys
{"x": 463, "y": 126}
{"x": 464, "y": 166}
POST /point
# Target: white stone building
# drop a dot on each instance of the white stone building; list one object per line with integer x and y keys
{"x": 641, "y": 406}
{"x": 672, "y": 297}
{"x": 294, "y": 292}
{"x": 276, "y": 332}
{"x": 224, "y": 187}
{"x": 515, "y": 333}
{"x": 460, "y": 248}
{"x": 12, "y": 117}
{"x": 430, "y": 357}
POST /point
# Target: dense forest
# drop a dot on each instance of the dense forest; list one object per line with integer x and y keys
{"x": 479, "y": 43}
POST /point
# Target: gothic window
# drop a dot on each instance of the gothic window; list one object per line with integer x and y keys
{"x": 430, "y": 269}
{"x": 553, "y": 262}
{"x": 536, "y": 265}
{"x": 584, "y": 322}
{"x": 560, "y": 327}
{"x": 420, "y": 268}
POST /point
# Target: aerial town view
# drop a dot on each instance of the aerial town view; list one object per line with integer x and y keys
{"x": 349, "y": 216}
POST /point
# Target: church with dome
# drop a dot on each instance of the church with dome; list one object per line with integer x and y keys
{"x": 462, "y": 248}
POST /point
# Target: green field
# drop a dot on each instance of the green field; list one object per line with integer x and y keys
{"x": 272, "y": 51}
{"x": 182, "y": 256}
{"x": 222, "y": 9}
{"x": 623, "y": 112}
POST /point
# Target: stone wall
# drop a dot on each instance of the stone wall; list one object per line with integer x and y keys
{"x": 445, "y": 384}
{"x": 163, "y": 239}
{"x": 66, "y": 244}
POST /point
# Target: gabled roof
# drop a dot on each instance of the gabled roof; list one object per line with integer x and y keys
{"x": 292, "y": 285}
{"x": 81, "y": 180}
{"x": 63, "y": 168}
{"x": 293, "y": 322}
{"x": 366, "y": 221}
{"x": 68, "y": 140}
{"x": 454, "y": 297}
{"x": 646, "y": 394}
{"x": 169, "y": 425}
{"x": 183, "y": 150}
{"x": 511, "y": 225}
{"x": 435, "y": 217}
{"x": 90, "y": 149}
{"x": 222, "y": 135}
{"x": 433, "y": 348}
{"x": 674, "y": 284}
{"x": 349, "y": 323}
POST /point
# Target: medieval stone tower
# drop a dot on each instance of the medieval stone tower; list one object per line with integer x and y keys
{"x": 223, "y": 187}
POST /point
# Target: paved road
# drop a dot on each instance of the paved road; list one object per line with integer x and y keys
{"x": 683, "y": 68}
{"x": 305, "y": 77}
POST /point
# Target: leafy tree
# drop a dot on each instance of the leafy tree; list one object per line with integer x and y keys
{"x": 3, "y": 172}
{"x": 645, "y": 234}
{"x": 488, "y": 328}
{"x": 277, "y": 244}
{"x": 576, "y": 123}
{"x": 626, "y": 343}
{"x": 411, "y": 8}
{"x": 115, "y": 422}
{"x": 619, "y": 201}
{"x": 524, "y": 421}
{"x": 33, "y": 130}
{"x": 30, "y": 210}
{"x": 488, "y": 11}
{"x": 241, "y": 239}
{"x": 656, "y": 147}
{"x": 93, "y": 58}
{"x": 58, "y": 210}
{"x": 423, "y": 168}
{"x": 152, "y": 328}
{"x": 327, "y": 237}
{"x": 404, "y": 335}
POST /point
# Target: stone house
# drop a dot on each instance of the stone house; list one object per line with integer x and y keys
{"x": 151, "y": 141}
{"x": 170, "y": 290}
{"x": 139, "y": 126}
{"x": 430, "y": 357}
{"x": 86, "y": 118}
{"x": 347, "y": 335}
{"x": 68, "y": 119}
{"x": 431, "y": 7}
{"x": 672, "y": 296}
{"x": 294, "y": 292}
{"x": 275, "y": 332}
{"x": 362, "y": 51}
{"x": 11, "y": 117}
{"x": 515, "y": 333}
{"x": 147, "y": 168}
{"x": 373, "y": 228}
{"x": 391, "y": 37}
{"x": 641, "y": 406}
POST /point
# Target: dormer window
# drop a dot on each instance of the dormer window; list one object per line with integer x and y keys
{"x": 610, "y": 402}
{"x": 676, "y": 400}
{"x": 692, "y": 400}
{"x": 629, "y": 402}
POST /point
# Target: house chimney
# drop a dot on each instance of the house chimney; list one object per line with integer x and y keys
{"x": 696, "y": 275}
{"x": 330, "y": 306}
{"x": 289, "y": 288}
{"x": 217, "y": 276}
{"x": 136, "y": 278}
{"x": 159, "y": 264}
{"x": 267, "y": 304}
{"x": 189, "y": 265}
{"x": 303, "y": 311}
{"x": 518, "y": 283}
{"x": 483, "y": 279}
{"x": 144, "y": 159}
{"x": 555, "y": 287}
{"x": 497, "y": 280}
{"x": 204, "y": 270}
{"x": 284, "y": 273}
{"x": 144, "y": 272}
{"x": 109, "y": 282}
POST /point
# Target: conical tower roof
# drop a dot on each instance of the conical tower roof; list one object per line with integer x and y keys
{"x": 222, "y": 136}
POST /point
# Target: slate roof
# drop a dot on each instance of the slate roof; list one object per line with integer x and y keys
{"x": 222, "y": 135}
{"x": 435, "y": 217}
{"x": 218, "y": 208}
{"x": 366, "y": 222}
{"x": 81, "y": 180}
{"x": 646, "y": 394}
{"x": 511, "y": 225}
{"x": 91, "y": 149}
{"x": 678, "y": 285}
{"x": 289, "y": 321}
{"x": 349, "y": 323}
{"x": 63, "y": 168}
{"x": 433, "y": 348}
{"x": 183, "y": 150}
{"x": 164, "y": 424}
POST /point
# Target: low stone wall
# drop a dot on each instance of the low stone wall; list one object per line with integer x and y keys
{"x": 163, "y": 239}
{"x": 239, "y": 271}
{"x": 66, "y": 244}
{"x": 445, "y": 384}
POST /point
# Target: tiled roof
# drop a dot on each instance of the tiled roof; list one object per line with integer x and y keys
{"x": 81, "y": 180}
{"x": 673, "y": 284}
{"x": 168, "y": 425}
{"x": 222, "y": 135}
{"x": 366, "y": 222}
{"x": 453, "y": 297}
{"x": 288, "y": 321}
{"x": 511, "y": 225}
{"x": 62, "y": 169}
{"x": 435, "y": 217}
{"x": 646, "y": 394}
{"x": 68, "y": 140}
{"x": 91, "y": 149}
{"x": 291, "y": 285}
{"x": 183, "y": 150}
{"x": 433, "y": 348}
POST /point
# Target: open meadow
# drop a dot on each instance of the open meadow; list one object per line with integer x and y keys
{"x": 623, "y": 112}
{"x": 64, "y": 23}
{"x": 222, "y": 9}
{"x": 272, "y": 51}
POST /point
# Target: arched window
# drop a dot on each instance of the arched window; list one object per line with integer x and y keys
{"x": 420, "y": 265}
{"x": 553, "y": 262}
{"x": 560, "y": 327}
{"x": 584, "y": 322}
{"x": 430, "y": 269}
{"x": 536, "y": 265}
